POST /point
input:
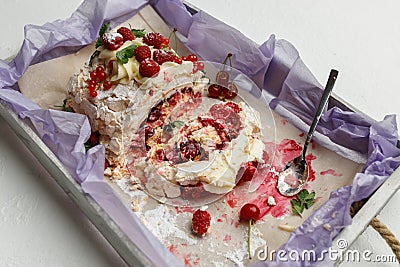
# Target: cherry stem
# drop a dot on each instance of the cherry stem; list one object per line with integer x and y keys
{"x": 248, "y": 237}
{"x": 175, "y": 39}
{"x": 229, "y": 56}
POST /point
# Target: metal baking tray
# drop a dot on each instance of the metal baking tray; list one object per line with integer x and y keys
{"x": 120, "y": 242}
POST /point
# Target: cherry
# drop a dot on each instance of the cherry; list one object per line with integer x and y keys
{"x": 214, "y": 90}
{"x": 230, "y": 92}
{"x": 251, "y": 213}
{"x": 222, "y": 77}
{"x": 189, "y": 149}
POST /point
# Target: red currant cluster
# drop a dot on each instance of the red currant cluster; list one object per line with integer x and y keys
{"x": 98, "y": 78}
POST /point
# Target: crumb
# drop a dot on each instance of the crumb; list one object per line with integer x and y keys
{"x": 327, "y": 226}
{"x": 271, "y": 201}
{"x": 135, "y": 187}
{"x": 287, "y": 228}
{"x": 108, "y": 172}
{"x": 135, "y": 205}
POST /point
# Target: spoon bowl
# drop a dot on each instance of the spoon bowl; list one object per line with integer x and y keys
{"x": 294, "y": 176}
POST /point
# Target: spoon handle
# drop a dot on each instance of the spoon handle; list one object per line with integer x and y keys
{"x": 324, "y": 99}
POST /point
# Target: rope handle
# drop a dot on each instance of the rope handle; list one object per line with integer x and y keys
{"x": 381, "y": 228}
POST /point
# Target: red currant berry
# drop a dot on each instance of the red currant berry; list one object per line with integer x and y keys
{"x": 177, "y": 60}
{"x": 92, "y": 86}
{"x": 93, "y": 93}
{"x": 165, "y": 42}
{"x": 249, "y": 212}
{"x": 184, "y": 58}
{"x": 93, "y": 75}
{"x": 101, "y": 76}
{"x": 107, "y": 85}
{"x": 214, "y": 90}
{"x": 100, "y": 69}
{"x": 192, "y": 57}
{"x": 198, "y": 66}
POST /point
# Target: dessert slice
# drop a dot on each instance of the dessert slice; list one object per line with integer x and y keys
{"x": 129, "y": 72}
{"x": 196, "y": 142}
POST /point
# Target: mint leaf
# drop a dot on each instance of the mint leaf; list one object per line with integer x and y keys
{"x": 126, "y": 53}
{"x": 303, "y": 201}
{"x": 138, "y": 33}
{"x": 297, "y": 208}
{"x": 302, "y": 194}
{"x": 169, "y": 127}
{"x": 168, "y": 49}
{"x": 105, "y": 28}
{"x": 310, "y": 196}
{"x": 178, "y": 123}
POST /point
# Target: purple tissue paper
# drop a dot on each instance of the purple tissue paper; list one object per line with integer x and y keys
{"x": 274, "y": 66}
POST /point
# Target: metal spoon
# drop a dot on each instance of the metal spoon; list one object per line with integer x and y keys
{"x": 295, "y": 174}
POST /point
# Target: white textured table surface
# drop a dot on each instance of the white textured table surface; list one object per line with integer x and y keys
{"x": 40, "y": 226}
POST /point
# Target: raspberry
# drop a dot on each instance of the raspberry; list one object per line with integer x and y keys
{"x": 247, "y": 171}
{"x": 189, "y": 149}
{"x": 112, "y": 40}
{"x": 126, "y": 34}
{"x": 161, "y": 56}
{"x": 154, "y": 39}
{"x": 201, "y": 221}
{"x": 235, "y": 107}
{"x": 94, "y": 138}
{"x": 142, "y": 52}
{"x": 149, "y": 68}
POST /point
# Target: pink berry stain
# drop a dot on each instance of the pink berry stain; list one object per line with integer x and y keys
{"x": 331, "y": 172}
{"x": 284, "y": 152}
